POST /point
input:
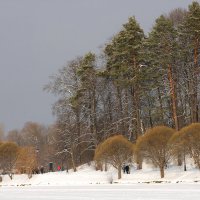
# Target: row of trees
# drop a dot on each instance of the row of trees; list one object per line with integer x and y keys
{"x": 136, "y": 83}
{"x": 159, "y": 145}
{"x": 139, "y": 81}
{"x": 15, "y": 159}
{"x": 42, "y": 142}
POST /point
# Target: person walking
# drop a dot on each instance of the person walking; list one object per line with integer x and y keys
{"x": 59, "y": 167}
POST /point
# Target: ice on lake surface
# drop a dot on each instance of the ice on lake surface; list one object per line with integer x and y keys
{"x": 104, "y": 192}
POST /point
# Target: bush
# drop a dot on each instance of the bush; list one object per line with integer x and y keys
{"x": 8, "y": 156}
{"x": 188, "y": 139}
{"x": 26, "y": 161}
{"x": 178, "y": 147}
{"x": 115, "y": 150}
{"x": 154, "y": 146}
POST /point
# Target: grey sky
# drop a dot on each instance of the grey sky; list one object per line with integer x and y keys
{"x": 37, "y": 37}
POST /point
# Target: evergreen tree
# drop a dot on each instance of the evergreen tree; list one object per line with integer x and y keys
{"x": 190, "y": 36}
{"x": 88, "y": 88}
{"x": 124, "y": 59}
{"x": 163, "y": 52}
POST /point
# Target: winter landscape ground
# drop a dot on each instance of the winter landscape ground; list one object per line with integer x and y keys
{"x": 88, "y": 183}
{"x": 107, "y": 192}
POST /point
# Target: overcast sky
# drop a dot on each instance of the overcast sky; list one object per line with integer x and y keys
{"x": 37, "y": 37}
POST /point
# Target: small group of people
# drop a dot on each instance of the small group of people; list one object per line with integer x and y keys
{"x": 39, "y": 170}
{"x": 52, "y": 168}
{"x": 126, "y": 169}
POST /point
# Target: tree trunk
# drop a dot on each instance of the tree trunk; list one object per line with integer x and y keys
{"x": 109, "y": 103}
{"x": 106, "y": 167}
{"x": 78, "y": 129}
{"x": 194, "y": 96}
{"x": 94, "y": 115}
{"x": 119, "y": 172}
{"x": 120, "y": 107}
{"x": 162, "y": 173}
{"x": 173, "y": 97}
{"x": 73, "y": 162}
{"x": 179, "y": 160}
{"x": 185, "y": 169}
{"x": 161, "y": 105}
{"x": 139, "y": 161}
{"x": 136, "y": 101}
{"x": 196, "y": 53}
{"x": 136, "y": 114}
{"x": 149, "y": 112}
{"x": 126, "y": 113}
{"x": 193, "y": 99}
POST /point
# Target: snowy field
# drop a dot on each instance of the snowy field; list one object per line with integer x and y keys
{"x": 87, "y": 175}
{"x": 104, "y": 192}
{"x": 89, "y": 184}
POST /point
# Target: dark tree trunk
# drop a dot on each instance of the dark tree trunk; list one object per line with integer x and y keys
{"x": 119, "y": 172}
{"x": 120, "y": 107}
{"x": 162, "y": 173}
{"x": 173, "y": 97}
{"x": 161, "y": 105}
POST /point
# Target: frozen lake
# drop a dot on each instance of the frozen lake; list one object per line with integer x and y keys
{"x": 103, "y": 192}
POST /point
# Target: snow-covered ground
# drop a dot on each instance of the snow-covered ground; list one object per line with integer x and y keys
{"x": 104, "y": 192}
{"x": 89, "y": 184}
{"x": 87, "y": 175}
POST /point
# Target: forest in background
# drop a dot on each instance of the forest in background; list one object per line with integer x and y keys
{"x": 137, "y": 82}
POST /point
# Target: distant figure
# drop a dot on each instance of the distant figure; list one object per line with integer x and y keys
{"x": 51, "y": 167}
{"x": 42, "y": 170}
{"x": 127, "y": 169}
{"x": 59, "y": 168}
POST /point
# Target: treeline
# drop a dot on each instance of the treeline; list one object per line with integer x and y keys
{"x": 15, "y": 159}
{"x": 159, "y": 146}
{"x": 138, "y": 82}
{"x": 30, "y": 149}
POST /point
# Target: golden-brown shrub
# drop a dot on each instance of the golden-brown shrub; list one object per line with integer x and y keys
{"x": 115, "y": 150}
{"x": 154, "y": 146}
{"x": 188, "y": 139}
{"x": 8, "y": 156}
{"x": 26, "y": 160}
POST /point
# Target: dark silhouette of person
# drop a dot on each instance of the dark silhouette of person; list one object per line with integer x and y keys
{"x": 127, "y": 169}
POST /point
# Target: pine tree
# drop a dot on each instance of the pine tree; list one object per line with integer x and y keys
{"x": 190, "y": 36}
{"x": 88, "y": 88}
{"x": 124, "y": 59}
{"x": 163, "y": 48}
